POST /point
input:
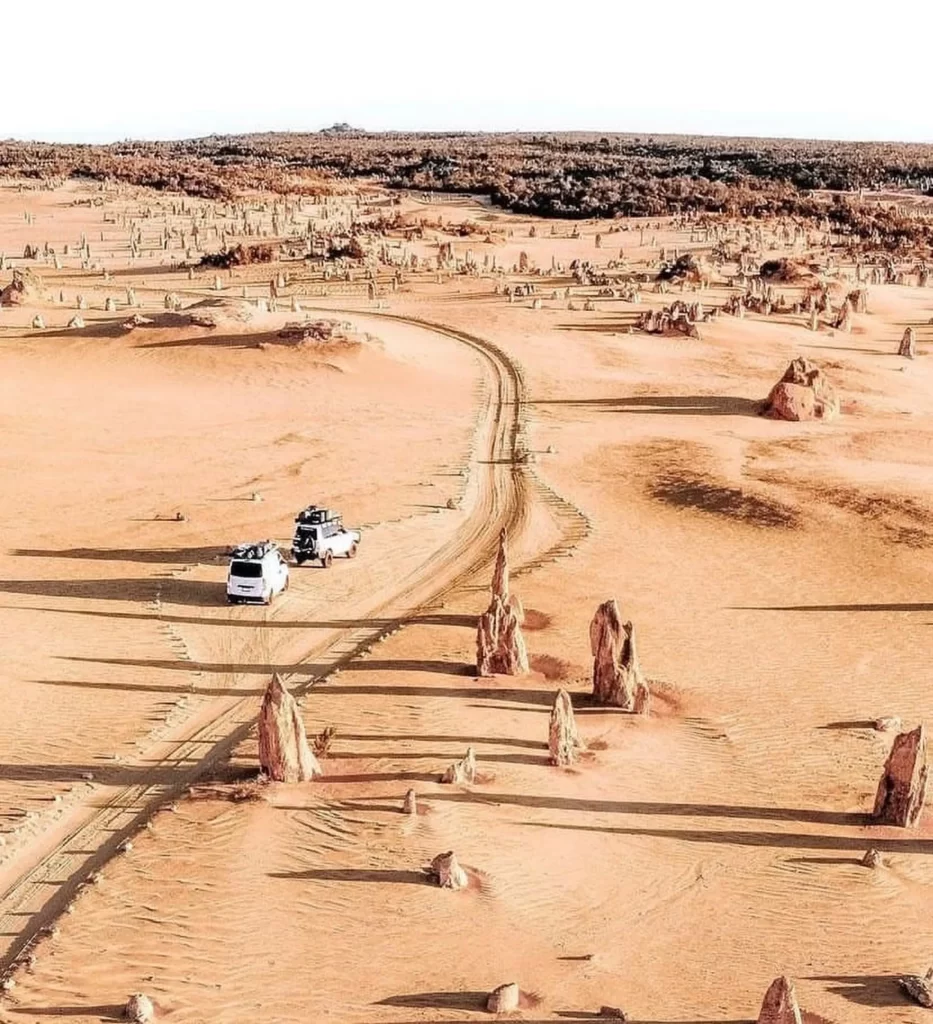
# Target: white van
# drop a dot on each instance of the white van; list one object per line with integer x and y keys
{"x": 258, "y": 572}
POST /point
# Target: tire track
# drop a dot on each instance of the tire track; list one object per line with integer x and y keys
{"x": 66, "y": 856}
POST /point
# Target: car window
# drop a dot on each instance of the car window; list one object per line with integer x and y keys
{"x": 246, "y": 570}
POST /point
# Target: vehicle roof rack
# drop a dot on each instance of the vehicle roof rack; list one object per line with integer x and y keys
{"x": 256, "y": 550}
{"x": 314, "y": 515}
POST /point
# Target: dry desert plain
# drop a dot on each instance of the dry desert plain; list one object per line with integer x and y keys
{"x": 778, "y": 575}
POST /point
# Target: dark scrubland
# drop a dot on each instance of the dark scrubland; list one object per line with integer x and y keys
{"x": 550, "y": 175}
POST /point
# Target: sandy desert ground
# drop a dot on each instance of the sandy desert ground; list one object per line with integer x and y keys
{"x": 777, "y": 573}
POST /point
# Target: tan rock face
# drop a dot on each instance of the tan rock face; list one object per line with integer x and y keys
{"x": 780, "y": 1004}
{"x": 500, "y": 645}
{"x": 902, "y": 789}
{"x": 446, "y": 869}
{"x": 139, "y": 1009}
{"x": 803, "y": 393}
{"x": 564, "y": 744}
{"x": 462, "y": 772}
{"x": 284, "y": 754}
{"x": 504, "y": 999}
{"x": 617, "y": 676}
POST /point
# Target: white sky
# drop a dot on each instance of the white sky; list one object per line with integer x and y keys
{"x": 101, "y": 70}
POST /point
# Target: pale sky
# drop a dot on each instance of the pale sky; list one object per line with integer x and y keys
{"x": 103, "y": 70}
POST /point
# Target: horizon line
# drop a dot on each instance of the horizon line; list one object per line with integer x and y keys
{"x": 332, "y": 130}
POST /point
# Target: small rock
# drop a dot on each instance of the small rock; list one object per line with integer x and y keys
{"x": 462, "y": 772}
{"x": 410, "y": 806}
{"x": 613, "y": 1012}
{"x": 872, "y": 859}
{"x": 504, "y": 999}
{"x": 126, "y": 846}
{"x": 8, "y": 984}
{"x": 446, "y": 869}
{"x": 890, "y": 723}
{"x": 139, "y": 1009}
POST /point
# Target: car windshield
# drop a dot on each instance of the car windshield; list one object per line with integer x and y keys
{"x": 248, "y": 570}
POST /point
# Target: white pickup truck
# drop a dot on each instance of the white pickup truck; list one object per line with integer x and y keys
{"x": 320, "y": 534}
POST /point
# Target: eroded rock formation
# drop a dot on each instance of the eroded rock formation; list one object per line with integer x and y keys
{"x": 462, "y": 772}
{"x": 446, "y": 869}
{"x": 780, "y": 1004}
{"x": 284, "y": 754}
{"x": 617, "y": 676}
{"x": 504, "y": 999}
{"x": 25, "y": 287}
{"x": 803, "y": 393}
{"x": 500, "y": 646}
{"x": 919, "y": 989}
{"x": 564, "y": 744}
{"x": 902, "y": 788}
{"x": 907, "y": 347}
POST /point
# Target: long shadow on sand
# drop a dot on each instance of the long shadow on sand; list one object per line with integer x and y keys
{"x": 148, "y": 555}
{"x": 866, "y": 989}
{"x": 541, "y": 699}
{"x": 815, "y": 816}
{"x": 778, "y": 840}
{"x": 106, "y": 1013}
{"x": 669, "y": 405}
{"x": 174, "y": 591}
{"x": 436, "y": 619}
{"x": 182, "y": 689}
{"x": 905, "y": 606}
{"x": 503, "y": 741}
{"x": 102, "y": 774}
{"x": 440, "y": 758}
{"x": 180, "y": 665}
{"x": 439, "y": 1000}
{"x": 355, "y": 875}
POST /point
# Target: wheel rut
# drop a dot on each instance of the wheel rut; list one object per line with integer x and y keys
{"x": 39, "y": 883}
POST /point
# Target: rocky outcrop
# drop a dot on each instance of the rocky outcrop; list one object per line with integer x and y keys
{"x": 25, "y": 287}
{"x": 284, "y": 754}
{"x": 919, "y": 989}
{"x": 563, "y": 742}
{"x": 500, "y": 646}
{"x": 780, "y": 1004}
{"x": 139, "y": 1009}
{"x": 462, "y": 772}
{"x": 902, "y": 788}
{"x": 908, "y": 346}
{"x": 617, "y": 676}
{"x": 803, "y": 393}
{"x": 446, "y": 869}
{"x": 504, "y": 999}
